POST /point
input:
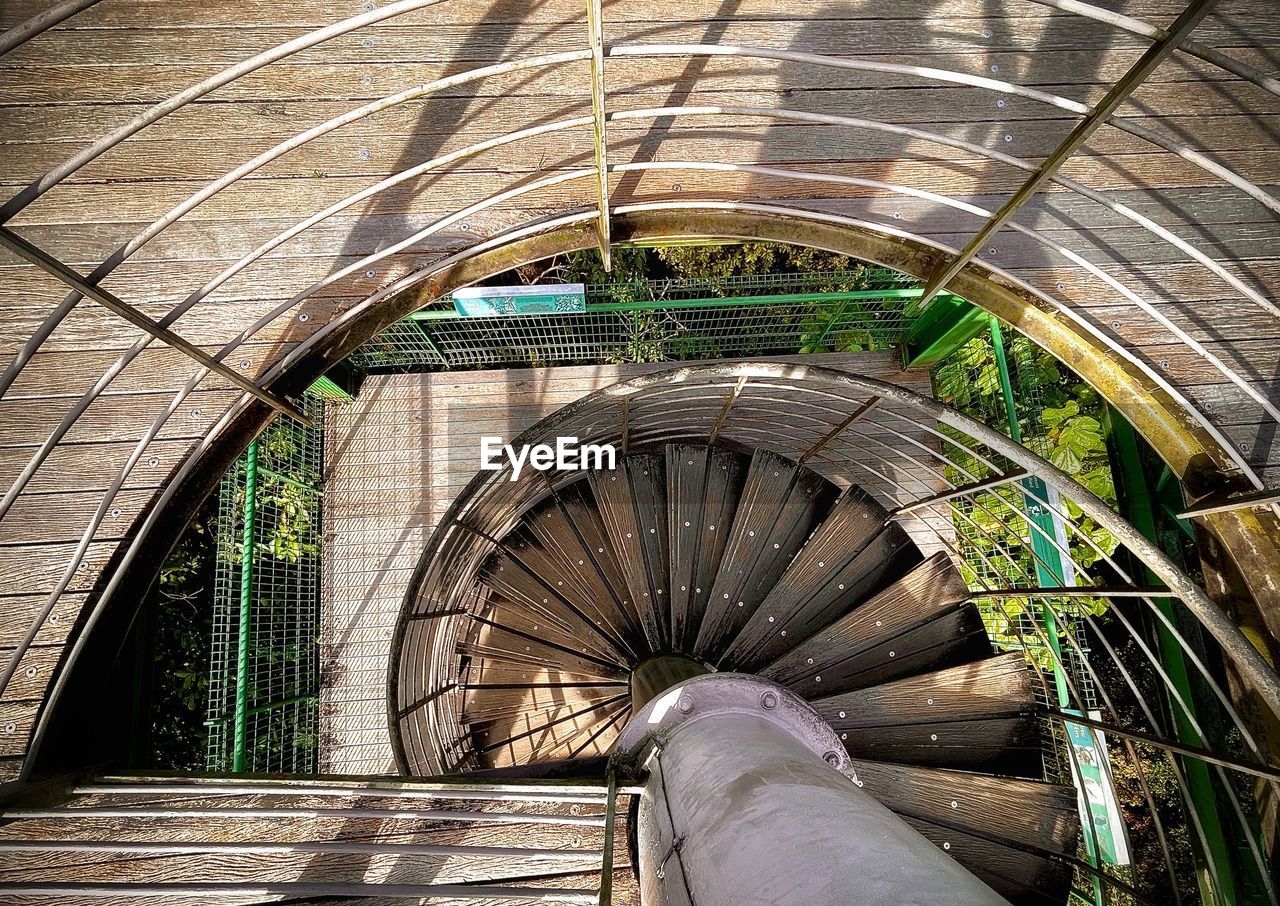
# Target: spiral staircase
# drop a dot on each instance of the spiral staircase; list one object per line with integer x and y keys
{"x": 749, "y": 562}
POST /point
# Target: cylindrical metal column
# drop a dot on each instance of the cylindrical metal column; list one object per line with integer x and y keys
{"x": 658, "y": 674}
{"x": 745, "y": 804}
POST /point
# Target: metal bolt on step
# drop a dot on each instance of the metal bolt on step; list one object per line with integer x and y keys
{"x": 832, "y": 758}
{"x": 685, "y": 705}
{"x": 769, "y": 700}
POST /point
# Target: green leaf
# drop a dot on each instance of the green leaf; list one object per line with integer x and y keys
{"x": 1082, "y": 434}
{"x": 1066, "y": 459}
{"x": 1053, "y": 417}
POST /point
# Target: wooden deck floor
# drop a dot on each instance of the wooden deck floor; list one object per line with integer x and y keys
{"x": 395, "y": 459}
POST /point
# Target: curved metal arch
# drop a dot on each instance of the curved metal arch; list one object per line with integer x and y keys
{"x": 245, "y": 261}
{"x": 451, "y": 269}
{"x": 176, "y": 102}
{"x": 150, "y": 434}
{"x": 41, "y": 22}
{"x": 69, "y": 420}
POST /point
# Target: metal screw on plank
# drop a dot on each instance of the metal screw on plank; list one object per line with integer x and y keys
{"x": 1008, "y": 137}
{"x": 986, "y": 33}
{"x": 365, "y": 154}
{"x": 1000, "y": 102}
{"x": 366, "y": 42}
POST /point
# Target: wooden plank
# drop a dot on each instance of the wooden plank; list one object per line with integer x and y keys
{"x": 314, "y": 13}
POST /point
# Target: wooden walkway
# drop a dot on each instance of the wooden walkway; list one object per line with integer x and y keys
{"x": 189, "y": 213}
{"x": 396, "y": 459}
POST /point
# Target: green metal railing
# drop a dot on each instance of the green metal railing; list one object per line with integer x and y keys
{"x": 1008, "y": 382}
{"x": 264, "y": 678}
{"x": 661, "y": 320}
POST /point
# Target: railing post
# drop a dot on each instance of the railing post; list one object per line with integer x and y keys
{"x": 1050, "y": 570}
{"x": 246, "y": 605}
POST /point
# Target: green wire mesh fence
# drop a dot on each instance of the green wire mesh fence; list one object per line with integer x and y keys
{"x": 264, "y": 673}
{"x": 661, "y": 320}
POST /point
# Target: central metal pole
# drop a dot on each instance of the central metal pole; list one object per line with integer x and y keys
{"x": 660, "y": 673}
{"x": 751, "y": 798}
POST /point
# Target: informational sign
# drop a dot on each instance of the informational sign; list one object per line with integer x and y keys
{"x": 1091, "y": 770}
{"x": 505, "y": 301}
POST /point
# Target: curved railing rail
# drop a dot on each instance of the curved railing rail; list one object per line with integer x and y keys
{"x": 920, "y": 459}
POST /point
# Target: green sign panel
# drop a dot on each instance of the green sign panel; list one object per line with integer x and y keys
{"x": 505, "y": 301}
{"x": 1092, "y": 771}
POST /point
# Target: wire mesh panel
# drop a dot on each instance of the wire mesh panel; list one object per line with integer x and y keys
{"x": 264, "y": 672}
{"x": 661, "y": 320}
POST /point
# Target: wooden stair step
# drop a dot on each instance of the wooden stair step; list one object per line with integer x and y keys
{"x": 703, "y": 484}
{"x": 566, "y": 589}
{"x": 1031, "y": 814}
{"x": 584, "y": 514}
{"x": 1023, "y": 878}
{"x": 557, "y": 535}
{"x": 496, "y": 642}
{"x": 519, "y": 619}
{"x": 614, "y": 499}
{"x": 647, "y": 476}
{"x": 978, "y": 716}
{"x": 548, "y": 736}
{"x": 490, "y": 703}
{"x": 519, "y": 594}
{"x": 1021, "y": 824}
{"x": 781, "y": 503}
{"x": 857, "y": 554}
{"x": 854, "y": 520}
{"x": 919, "y": 623}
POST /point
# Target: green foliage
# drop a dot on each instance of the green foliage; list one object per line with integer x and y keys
{"x": 182, "y": 615}
{"x": 1058, "y": 416}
